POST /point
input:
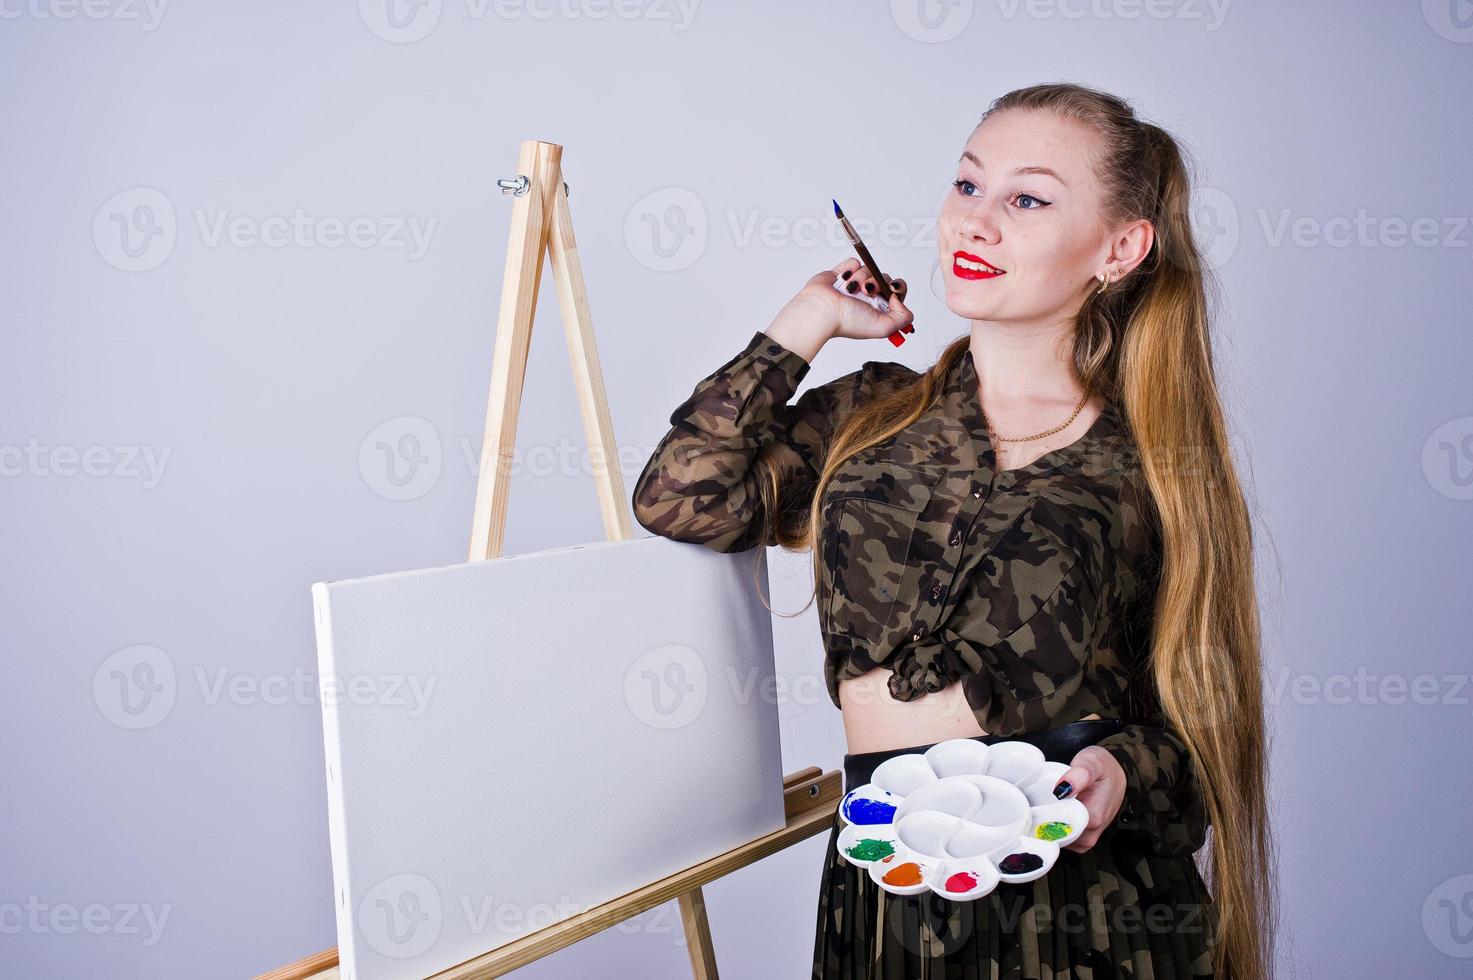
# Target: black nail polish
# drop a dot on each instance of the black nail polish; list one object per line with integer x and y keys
{"x": 869, "y": 287}
{"x": 849, "y": 273}
{"x": 854, "y": 287}
{"x": 1062, "y": 790}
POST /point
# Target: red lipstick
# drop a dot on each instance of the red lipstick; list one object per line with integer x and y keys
{"x": 965, "y": 265}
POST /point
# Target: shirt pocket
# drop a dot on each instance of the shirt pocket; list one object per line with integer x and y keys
{"x": 873, "y": 514}
{"x": 1037, "y": 603}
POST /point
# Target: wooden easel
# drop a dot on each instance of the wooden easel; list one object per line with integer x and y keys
{"x": 541, "y": 222}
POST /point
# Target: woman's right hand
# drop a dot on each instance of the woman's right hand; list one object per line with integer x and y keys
{"x": 820, "y": 312}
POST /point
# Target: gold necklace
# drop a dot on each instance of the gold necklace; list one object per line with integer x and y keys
{"x": 992, "y": 434}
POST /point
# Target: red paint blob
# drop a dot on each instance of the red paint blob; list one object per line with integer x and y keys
{"x": 962, "y": 881}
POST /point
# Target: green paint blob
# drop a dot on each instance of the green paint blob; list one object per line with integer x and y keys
{"x": 870, "y": 849}
{"x": 1053, "y": 830}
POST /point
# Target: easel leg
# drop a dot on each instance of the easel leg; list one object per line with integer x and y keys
{"x": 698, "y": 935}
{"x": 520, "y": 282}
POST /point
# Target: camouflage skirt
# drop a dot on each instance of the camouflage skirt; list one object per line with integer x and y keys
{"x": 1116, "y": 910}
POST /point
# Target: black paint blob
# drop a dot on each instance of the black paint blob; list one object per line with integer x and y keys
{"x": 1020, "y": 863}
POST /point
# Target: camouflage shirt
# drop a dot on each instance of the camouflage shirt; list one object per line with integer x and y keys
{"x": 1032, "y": 588}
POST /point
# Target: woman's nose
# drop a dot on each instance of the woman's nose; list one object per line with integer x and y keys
{"x": 980, "y": 225}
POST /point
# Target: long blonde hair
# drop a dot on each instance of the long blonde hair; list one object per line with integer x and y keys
{"x": 1146, "y": 343}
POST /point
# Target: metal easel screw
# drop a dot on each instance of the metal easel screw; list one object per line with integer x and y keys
{"x": 519, "y": 186}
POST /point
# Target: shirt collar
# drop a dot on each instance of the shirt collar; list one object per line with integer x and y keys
{"x": 1095, "y": 449}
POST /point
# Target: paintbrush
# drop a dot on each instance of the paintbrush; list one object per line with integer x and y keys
{"x": 882, "y": 286}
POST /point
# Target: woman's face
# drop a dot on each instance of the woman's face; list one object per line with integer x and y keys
{"x": 1017, "y": 245}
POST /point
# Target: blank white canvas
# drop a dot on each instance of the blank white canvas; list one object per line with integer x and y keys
{"x": 512, "y": 741}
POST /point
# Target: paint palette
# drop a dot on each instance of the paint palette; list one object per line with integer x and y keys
{"x": 959, "y": 818}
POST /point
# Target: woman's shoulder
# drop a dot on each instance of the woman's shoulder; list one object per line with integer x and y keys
{"x": 848, "y": 391}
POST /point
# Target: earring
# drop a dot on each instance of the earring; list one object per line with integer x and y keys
{"x": 1105, "y": 279}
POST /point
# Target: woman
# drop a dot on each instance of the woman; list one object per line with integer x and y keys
{"x": 1039, "y": 537}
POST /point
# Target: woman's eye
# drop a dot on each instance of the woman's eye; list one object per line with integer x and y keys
{"x": 966, "y": 187}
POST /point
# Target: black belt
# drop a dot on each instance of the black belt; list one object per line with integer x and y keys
{"x": 1058, "y": 744}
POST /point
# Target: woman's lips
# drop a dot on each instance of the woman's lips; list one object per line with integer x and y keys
{"x": 965, "y": 265}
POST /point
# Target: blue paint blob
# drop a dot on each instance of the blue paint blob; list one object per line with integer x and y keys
{"x": 867, "y": 811}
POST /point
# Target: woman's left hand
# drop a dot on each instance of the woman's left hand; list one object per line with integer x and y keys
{"x": 1099, "y": 783}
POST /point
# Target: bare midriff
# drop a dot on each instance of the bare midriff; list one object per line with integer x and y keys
{"x": 875, "y": 721}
